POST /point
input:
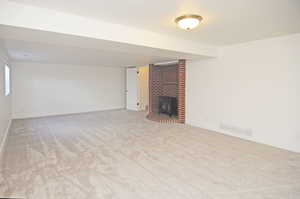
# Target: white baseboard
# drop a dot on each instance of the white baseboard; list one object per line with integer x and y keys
{"x": 32, "y": 116}
{"x": 214, "y": 128}
{"x": 5, "y": 136}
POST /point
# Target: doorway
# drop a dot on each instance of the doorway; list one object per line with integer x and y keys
{"x": 137, "y": 88}
{"x": 132, "y": 89}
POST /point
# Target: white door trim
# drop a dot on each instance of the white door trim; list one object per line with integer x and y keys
{"x": 132, "y": 92}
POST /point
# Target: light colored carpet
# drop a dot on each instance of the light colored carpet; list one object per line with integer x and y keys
{"x": 122, "y": 155}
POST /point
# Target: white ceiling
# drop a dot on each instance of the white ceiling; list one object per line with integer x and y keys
{"x": 20, "y": 51}
{"x": 225, "y": 21}
{"x": 48, "y": 47}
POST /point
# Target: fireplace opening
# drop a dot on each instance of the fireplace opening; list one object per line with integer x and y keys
{"x": 167, "y": 105}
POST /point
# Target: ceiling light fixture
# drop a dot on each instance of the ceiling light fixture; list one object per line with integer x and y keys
{"x": 188, "y": 22}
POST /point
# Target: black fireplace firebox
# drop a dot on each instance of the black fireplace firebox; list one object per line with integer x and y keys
{"x": 168, "y": 105}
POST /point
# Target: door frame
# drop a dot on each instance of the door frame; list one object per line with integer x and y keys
{"x": 132, "y": 106}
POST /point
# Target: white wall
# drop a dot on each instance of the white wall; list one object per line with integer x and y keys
{"x": 46, "y": 89}
{"x": 5, "y": 101}
{"x": 143, "y": 87}
{"x": 252, "y": 90}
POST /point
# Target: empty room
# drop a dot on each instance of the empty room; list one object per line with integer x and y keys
{"x": 132, "y": 99}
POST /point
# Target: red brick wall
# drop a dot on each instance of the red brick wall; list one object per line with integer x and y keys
{"x": 167, "y": 81}
{"x": 181, "y": 90}
{"x": 155, "y": 87}
{"x": 169, "y": 78}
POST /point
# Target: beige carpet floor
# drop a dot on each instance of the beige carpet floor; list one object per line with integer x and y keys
{"x": 122, "y": 155}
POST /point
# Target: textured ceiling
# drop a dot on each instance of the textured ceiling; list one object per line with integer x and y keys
{"x": 225, "y": 21}
{"x": 47, "y": 47}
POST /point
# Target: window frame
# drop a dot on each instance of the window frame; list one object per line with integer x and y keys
{"x": 7, "y": 80}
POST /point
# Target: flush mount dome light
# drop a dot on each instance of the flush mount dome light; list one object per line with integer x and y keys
{"x": 188, "y": 22}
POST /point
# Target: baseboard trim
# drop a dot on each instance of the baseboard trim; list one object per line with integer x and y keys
{"x": 5, "y": 136}
{"x": 66, "y": 114}
{"x": 250, "y": 139}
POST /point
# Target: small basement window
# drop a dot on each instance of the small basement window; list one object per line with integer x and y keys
{"x": 7, "y": 80}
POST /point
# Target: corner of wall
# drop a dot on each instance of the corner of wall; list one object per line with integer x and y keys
{"x": 4, "y": 137}
{"x": 5, "y": 101}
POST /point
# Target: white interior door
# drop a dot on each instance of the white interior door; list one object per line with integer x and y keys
{"x": 132, "y": 89}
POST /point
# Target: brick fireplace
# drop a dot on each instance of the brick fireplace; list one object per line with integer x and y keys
{"x": 167, "y": 80}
